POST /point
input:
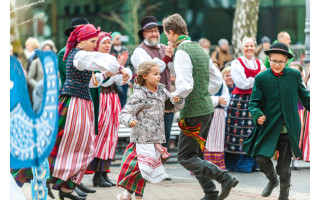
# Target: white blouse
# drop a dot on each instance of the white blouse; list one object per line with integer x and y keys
{"x": 117, "y": 79}
{"x": 225, "y": 94}
{"x": 238, "y": 74}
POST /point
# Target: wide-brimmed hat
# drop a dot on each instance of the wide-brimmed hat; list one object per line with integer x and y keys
{"x": 148, "y": 22}
{"x": 74, "y": 23}
{"x": 279, "y": 48}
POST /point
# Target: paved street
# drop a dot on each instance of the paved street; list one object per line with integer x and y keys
{"x": 185, "y": 186}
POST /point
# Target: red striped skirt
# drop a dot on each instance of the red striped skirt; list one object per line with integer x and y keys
{"x": 305, "y": 146}
{"x": 74, "y": 148}
{"x": 106, "y": 141}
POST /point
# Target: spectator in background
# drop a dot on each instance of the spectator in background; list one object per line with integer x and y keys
{"x": 116, "y": 49}
{"x": 205, "y": 44}
{"x": 284, "y": 38}
{"x": 226, "y": 75}
{"x": 31, "y": 45}
{"x": 265, "y": 45}
{"x": 221, "y": 53}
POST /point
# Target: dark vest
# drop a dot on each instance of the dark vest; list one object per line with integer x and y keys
{"x": 77, "y": 82}
{"x": 159, "y": 53}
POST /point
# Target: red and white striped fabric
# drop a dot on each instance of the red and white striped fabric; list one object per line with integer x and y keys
{"x": 215, "y": 139}
{"x": 76, "y": 149}
{"x": 301, "y": 113}
{"x": 108, "y": 126}
{"x": 306, "y": 139}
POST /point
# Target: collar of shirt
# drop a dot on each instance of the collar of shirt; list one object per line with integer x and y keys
{"x": 147, "y": 43}
{"x": 251, "y": 64}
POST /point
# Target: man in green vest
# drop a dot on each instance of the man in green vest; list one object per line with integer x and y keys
{"x": 274, "y": 110}
{"x": 284, "y": 38}
{"x": 196, "y": 79}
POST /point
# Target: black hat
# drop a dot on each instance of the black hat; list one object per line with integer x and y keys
{"x": 74, "y": 23}
{"x": 148, "y": 22}
{"x": 279, "y": 48}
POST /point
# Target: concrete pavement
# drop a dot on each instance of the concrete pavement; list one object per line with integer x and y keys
{"x": 185, "y": 186}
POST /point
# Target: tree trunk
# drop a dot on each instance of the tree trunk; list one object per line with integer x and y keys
{"x": 245, "y": 23}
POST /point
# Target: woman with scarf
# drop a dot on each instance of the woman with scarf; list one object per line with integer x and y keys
{"x": 239, "y": 123}
{"x": 74, "y": 147}
{"x": 108, "y": 126}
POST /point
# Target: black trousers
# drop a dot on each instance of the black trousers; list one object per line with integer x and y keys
{"x": 283, "y": 162}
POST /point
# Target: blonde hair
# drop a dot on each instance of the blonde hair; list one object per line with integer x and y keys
{"x": 225, "y": 71}
{"x": 33, "y": 42}
{"x": 175, "y": 23}
{"x": 144, "y": 69}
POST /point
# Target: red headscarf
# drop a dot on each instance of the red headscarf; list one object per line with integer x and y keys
{"x": 101, "y": 36}
{"x": 83, "y": 32}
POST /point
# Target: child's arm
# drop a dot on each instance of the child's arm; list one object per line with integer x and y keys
{"x": 133, "y": 106}
{"x": 256, "y": 103}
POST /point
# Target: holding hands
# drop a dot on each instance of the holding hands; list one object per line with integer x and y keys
{"x": 261, "y": 119}
{"x": 176, "y": 99}
{"x": 222, "y": 101}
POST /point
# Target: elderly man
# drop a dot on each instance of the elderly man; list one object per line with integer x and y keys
{"x": 274, "y": 110}
{"x": 284, "y": 38}
{"x": 151, "y": 50}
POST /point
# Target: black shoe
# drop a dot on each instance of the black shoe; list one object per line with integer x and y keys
{"x": 167, "y": 179}
{"x": 105, "y": 176}
{"x": 226, "y": 186}
{"x": 85, "y": 189}
{"x": 271, "y": 185}
{"x": 98, "y": 180}
{"x": 50, "y": 191}
{"x": 80, "y": 192}
{"x": 284, "y": 190}
{"x": 63, "y": 195}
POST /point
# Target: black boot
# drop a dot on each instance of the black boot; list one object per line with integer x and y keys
{"x": 50, "y": 191}
{"x": 267, "y": 168}
{"x": 85, "y": 189}
{"x": 63, "y": 195}
{"x": 105, "y": 176}
{"x": 98, "y": 180}
{"x": 284, "y": 190}
{"x": 209, "y": 188}
{"x": 80, "y": 192}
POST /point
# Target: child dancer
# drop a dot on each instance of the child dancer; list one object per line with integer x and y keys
{"x": 144, "y": 113}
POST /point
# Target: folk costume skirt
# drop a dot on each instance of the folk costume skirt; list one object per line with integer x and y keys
{"x": 305, "y": 137}
{"x": 130, "y": 177}
{"x": 74, "y": 147}
{"x": 215, "y": 139}
{"x": 106, "y": 141}
{"x": 239, "y": 126}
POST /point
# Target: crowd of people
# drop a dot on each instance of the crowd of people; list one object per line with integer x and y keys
{"x": 233, "y": 114}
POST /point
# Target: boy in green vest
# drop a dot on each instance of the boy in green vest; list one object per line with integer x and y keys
{"x": 274, "y": 110}
{"x": 196, "y": 79}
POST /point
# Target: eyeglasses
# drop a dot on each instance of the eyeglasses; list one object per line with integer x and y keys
{"x": 152, "y": 31}
{"x": 278, "y": 62}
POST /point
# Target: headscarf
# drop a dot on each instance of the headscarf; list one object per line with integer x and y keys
{"x": 248, "y": 39}
{"x": 102, "y": 37}
{"x": 81, "y": 33}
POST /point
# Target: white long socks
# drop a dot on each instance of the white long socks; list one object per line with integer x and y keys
{"x": 126, "y": 194}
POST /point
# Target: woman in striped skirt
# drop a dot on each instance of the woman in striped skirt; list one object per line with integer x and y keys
{"x": 108, "y": 123}
{"x": 74, "y": 147}
{"x": 239, "y": 122}
{"x": 214, "y": 151}
{"x": 305, "y": 139}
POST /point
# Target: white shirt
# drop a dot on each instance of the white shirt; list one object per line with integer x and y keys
{"x": 225, "y": 94}
{"x": 95, "y": 61}
{"x": 184, "y": 79}
{"x": 117, "y": 79}
{"x": 238, "y": 74}
{"x": 139, "y": 56}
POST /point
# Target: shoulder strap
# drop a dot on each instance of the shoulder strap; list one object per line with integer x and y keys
{"x": 241, "y": 62}
{"x": 258, "y": 63}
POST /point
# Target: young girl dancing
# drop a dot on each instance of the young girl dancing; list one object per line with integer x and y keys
{"x": 144, "y": 113}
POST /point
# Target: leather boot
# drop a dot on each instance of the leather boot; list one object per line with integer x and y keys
{"x": 50, "y": 191}
{"x": 80, "y": 192}
{"x": 209, "y": 188}
{"x": 223, "y": 177}
{"x": 105, "y": 176}
{"x": 284, "y": 190}
{"x": 98, "y": 180}
{"x": 85, "y": 188}
{"x": 267, "y": 168}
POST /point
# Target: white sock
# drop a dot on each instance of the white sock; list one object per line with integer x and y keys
{"x": 295, "y": 163}
{"x": 126, "y": 194}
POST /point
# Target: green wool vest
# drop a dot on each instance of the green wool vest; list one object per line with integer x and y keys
{"x": 198, "y": 102}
